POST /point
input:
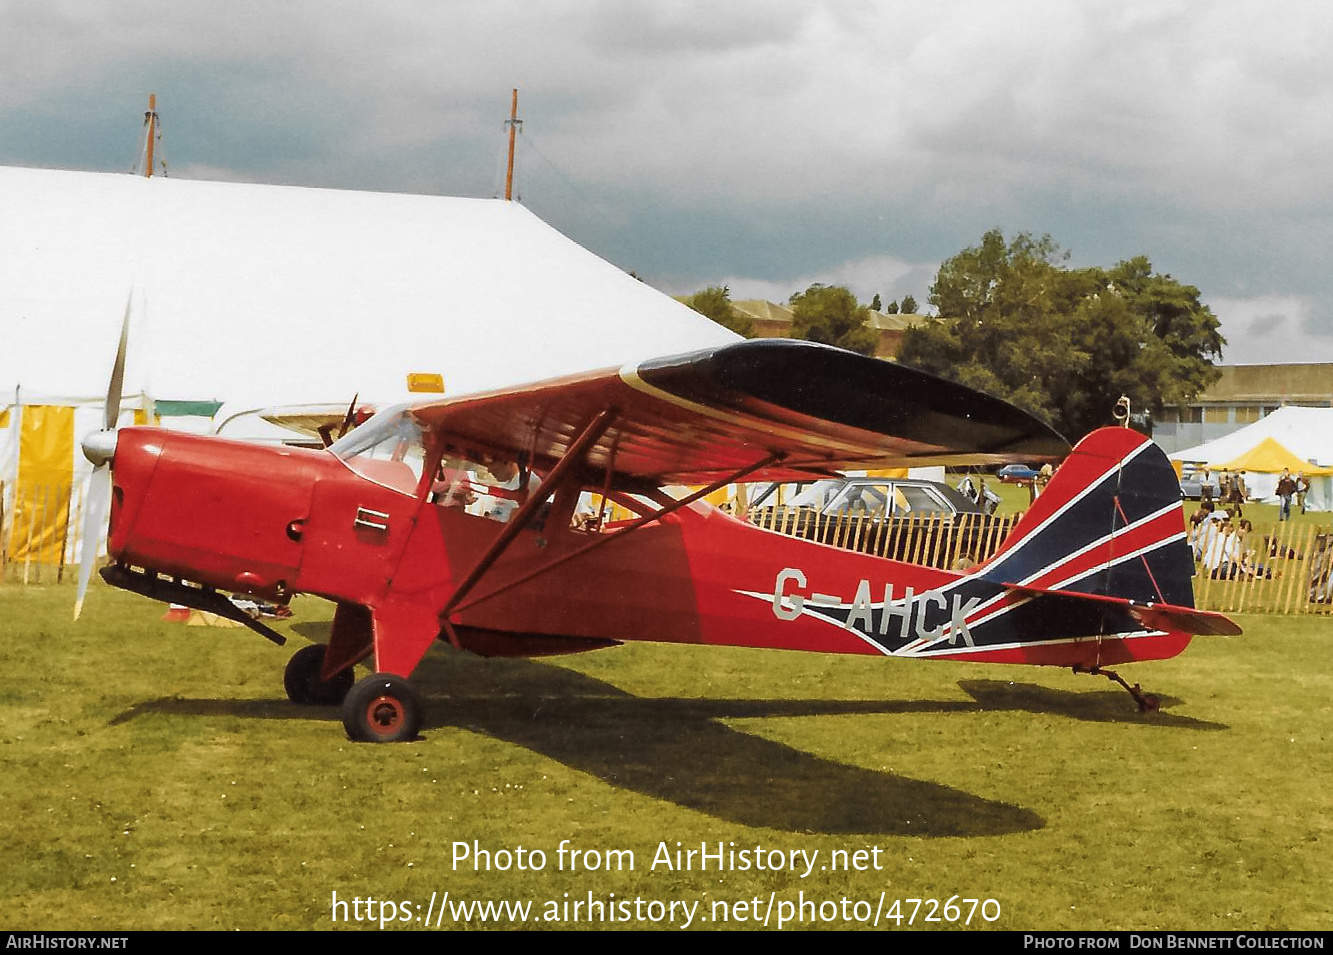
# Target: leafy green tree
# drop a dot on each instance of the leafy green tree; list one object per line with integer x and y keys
{"x": 909, "y": 305}
{"x": 875, "y": 304}
{"x": 1065, "y": 344}
{"x": 893, "y": 308}
{"x": 715, "y": 302}
{"x": 831, "y": 315}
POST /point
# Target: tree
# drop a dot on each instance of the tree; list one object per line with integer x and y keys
{"x": 875, "y": 304}
{"x": 1064, "y": 344}
{"x": 909, "y": 305}
{"x": 893, "y": 308}
{"x": 831, "y": 315}
{"x": 715, "y": 303}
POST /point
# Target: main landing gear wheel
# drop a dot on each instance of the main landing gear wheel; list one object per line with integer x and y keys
{"x": 301, "y": 679}
{"x": 382, "y": 709}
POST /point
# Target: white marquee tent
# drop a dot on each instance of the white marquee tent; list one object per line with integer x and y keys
{"x": 1306, "y": 432}
{"x": 259, "y": 296}
{"x": 272, "y": 295}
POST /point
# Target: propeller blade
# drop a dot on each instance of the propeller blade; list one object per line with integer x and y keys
{"x": 112, "y": 414}
{"x": 94, "y": 515}
{"x": 99, "y": 448}
{"x": 350, "y": 416}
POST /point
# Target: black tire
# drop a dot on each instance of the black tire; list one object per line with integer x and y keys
{"x": 301, "y": 679}
{"x": 382, "y": 709}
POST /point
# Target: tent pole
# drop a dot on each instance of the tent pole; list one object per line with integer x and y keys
{"x": 514, "y": 123}
{"x": 150, "y": 120}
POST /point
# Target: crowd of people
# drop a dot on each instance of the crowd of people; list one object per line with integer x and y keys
{"x": 1225, "y": 548}
{"x": 1229, "y": 489}
{"x": 1223, "y": 544}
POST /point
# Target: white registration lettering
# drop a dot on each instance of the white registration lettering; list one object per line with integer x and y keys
{"x": 958, "y": 622}
{"x": 794, "y": 603}
{"x": 929, "y": 597}
{"x": 903, "y": 612}
{"x": 790, "y": 598}
{"x": 860, "y": 617}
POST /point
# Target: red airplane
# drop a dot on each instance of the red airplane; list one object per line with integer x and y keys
{"x": 466, "y": 519}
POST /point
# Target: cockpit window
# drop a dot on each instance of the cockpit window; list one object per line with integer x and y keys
{"x": 387, "y": 449}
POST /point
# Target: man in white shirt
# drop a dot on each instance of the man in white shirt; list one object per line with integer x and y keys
{"x": 1220, "y": 555}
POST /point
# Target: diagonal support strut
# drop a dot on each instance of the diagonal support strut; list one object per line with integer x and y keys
{"x": 454, "y": 606}
{"x": 595, "y": 429}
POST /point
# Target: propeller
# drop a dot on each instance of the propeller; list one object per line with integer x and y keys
{"x": 325, "y": 431}
{"x": 99, "y": 448}
{"x": 350, "y": 418}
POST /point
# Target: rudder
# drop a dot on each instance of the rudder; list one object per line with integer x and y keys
{"x": 1108, "y": 524}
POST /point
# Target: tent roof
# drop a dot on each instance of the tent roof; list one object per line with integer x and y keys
{"x": 1269, "y": 456}
{"x": 1306, "y": 432}
{"x": 273, "y": 295}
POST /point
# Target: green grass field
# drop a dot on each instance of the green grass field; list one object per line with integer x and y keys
{"x": 156, "y": 777}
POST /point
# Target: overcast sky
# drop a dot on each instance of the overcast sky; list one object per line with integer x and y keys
{"x": 761, "y": 144}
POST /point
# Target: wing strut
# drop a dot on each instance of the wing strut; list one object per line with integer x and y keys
{"x": 454, "y": 605}
{"x": 595, "y": 429}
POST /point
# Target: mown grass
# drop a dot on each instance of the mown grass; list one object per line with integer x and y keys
{"x": 156, "y": 777}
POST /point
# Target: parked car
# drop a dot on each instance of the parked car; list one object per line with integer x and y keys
{"x": 1017, "y": 474}
{"x": 1192, "y": 486}
{"x": 901, "y": 518}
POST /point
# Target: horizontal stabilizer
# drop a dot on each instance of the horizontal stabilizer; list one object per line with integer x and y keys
{"x": 1187, "y": 620}
{"x": 1158, "y": 616}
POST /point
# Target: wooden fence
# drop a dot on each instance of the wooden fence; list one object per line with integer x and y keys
{"x": 1296, "y": 576}
{"x": 936, "y": 540}
{"x": 1293, "y": 564}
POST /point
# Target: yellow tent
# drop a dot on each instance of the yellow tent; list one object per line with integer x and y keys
{"x": 1270, "y": 456}
{"x": 1264, "y": 462}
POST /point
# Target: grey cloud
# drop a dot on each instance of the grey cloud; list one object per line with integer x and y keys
{"x": 692, "y": 141}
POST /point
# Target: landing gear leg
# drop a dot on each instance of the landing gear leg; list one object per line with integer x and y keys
{"x": 1146, "y": 701}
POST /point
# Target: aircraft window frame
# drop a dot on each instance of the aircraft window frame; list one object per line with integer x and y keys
{"x": 480, "y": 488}
{"x": 391, "y": 437}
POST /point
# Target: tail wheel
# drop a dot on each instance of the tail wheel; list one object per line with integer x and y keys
{"x": 302, "y": 678}
{"x": 1148, "y": 703}
{"x": 382, "y": 709}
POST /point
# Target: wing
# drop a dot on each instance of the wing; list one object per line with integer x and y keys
{"x": 308, "y": 420}
{"x": 696, "y": 418}
{"x": 323, "y": 423}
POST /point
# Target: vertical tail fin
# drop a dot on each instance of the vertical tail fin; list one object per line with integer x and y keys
{"x": 1108, "y": 524}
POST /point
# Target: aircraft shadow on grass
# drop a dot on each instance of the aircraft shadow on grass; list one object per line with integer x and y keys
{"x": 677, "y": 750}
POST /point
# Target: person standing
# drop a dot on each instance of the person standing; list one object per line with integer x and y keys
{"x": 1239, "y": 493}
{"x": 1286, "y": 489}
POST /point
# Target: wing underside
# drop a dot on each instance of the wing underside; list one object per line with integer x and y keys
{"x": 697, "y": 418}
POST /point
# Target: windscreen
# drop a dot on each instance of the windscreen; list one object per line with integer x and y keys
{"x": 387, "y": 449}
